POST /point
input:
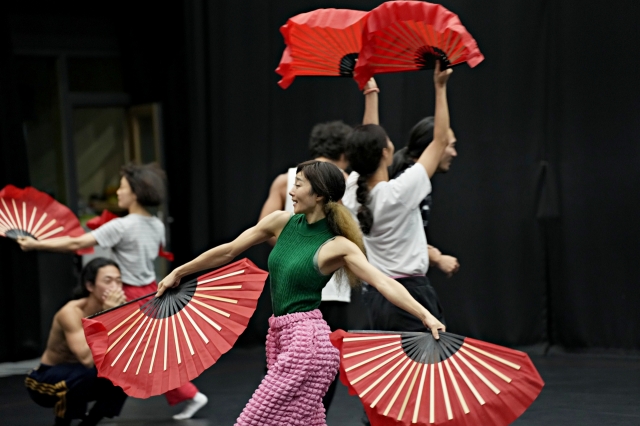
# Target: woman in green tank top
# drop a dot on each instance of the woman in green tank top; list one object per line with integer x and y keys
{"x": 319, "y": 239}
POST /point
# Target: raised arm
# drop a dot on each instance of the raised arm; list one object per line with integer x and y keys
{"x": 371, "y": 103}
{"x": 71, "y": 323}
{"x": 277, "y": 196}
{"x": 342, "y": 252}
{"x": 276, "y": 200}
{"x": 62, "y": 244}
{"x": 431, "y": 156}
{"x": 269, "y": 227}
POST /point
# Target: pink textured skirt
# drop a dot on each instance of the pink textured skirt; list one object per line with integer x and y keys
{"x": 302, "y": 364}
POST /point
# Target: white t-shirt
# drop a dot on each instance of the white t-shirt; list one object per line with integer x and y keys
{"x": 396, "y": 244}
{"x": 134, "y": 241}
{"x": 335, "y": 290}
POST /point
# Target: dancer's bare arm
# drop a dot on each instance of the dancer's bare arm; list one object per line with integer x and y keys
{"x": 447, "y": 264}
{"x": 70, "y": 319}
{"x": 431, "y": 156}
{"x": 276, "y": 200}
{"x": 269, "y": 227}
{"x": 342, "y": 252}
{"x": 63, "y": 244}
{"x": 277, "y": 196}
{"x": 371, "y": 115}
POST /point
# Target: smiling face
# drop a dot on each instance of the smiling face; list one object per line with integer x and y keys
{"x": 108, "y": 278}
{"x": 304, "y": 200}
{"x": 126, "y": 196}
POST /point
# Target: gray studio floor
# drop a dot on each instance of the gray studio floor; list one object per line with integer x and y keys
{"x": 580, "y": 390}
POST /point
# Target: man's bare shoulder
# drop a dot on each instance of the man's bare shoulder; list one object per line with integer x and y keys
{"x": 280, "y": 182}
{"x": 71, "y": 314}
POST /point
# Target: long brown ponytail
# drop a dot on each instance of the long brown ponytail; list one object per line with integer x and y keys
{"x": 327, "y": 181}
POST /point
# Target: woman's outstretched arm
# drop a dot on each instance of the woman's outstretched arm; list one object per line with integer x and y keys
{"x": 62, "y": 244}
{"x": 342, "y": 252}
{"x": 269, "y": 227}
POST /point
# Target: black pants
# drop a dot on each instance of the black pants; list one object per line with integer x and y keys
{"x": 335, "y": 314}
{"x": 384, "y": 315}
{"x": 69, "y": 387}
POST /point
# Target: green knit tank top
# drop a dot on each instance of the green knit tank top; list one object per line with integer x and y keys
{"x": 296, "y": 285}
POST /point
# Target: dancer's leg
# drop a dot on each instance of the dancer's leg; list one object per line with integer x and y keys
{"x": 291, "y": 392}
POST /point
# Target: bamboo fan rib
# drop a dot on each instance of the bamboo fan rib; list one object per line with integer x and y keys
{"x": 410, "y": 36}
{"x": 414, "y": 379}
{"x": 30, "y": 213}
{"x": 149, "y": 347}
{"x": 324, "y": 42}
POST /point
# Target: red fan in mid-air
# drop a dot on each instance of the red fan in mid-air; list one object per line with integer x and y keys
{"x": 412, "y": 35}
{"x": 407, "y": 378}
{"x": 149, "y": 348}
{"x": 31, "y": 213}
{"x": 324, "y": 42}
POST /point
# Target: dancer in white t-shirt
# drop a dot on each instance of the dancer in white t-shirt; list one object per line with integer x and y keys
{"x": 389, "y": 210}
{"x": 326, "y": 143}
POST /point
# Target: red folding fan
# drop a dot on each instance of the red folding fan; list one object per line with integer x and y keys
{"x": 410, "y": 378}
{"x": 412, "y": 35}
{"x": 31, "y": 213}
{"x": 324, "y": 42}
{"x": 152, "y": 347}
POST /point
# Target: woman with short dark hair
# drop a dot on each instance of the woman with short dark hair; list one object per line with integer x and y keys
{"x": 318, "y": 239}
{"x": 135, "y": 241}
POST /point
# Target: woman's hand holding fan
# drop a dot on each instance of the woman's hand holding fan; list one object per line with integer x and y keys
{"x": 28, "y": 215}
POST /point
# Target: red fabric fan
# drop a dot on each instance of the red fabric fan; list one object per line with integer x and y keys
{"x": 407, "y": 378}
{"x": 31, "y": 213}
{"x": 323, "y": 42}
{"x": 412, "y": 35}
{"x": 150, "y": 348}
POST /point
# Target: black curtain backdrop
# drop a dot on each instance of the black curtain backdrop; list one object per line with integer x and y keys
{"x": 540, "y": 206}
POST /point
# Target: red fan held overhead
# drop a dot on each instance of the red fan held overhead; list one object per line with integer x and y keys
{"x": 31, "y": 213}
{"x": 412, "y": 35}
{"x": 409, "y": 378}
{"x": 324, "y": 42}
{"x": 152, "y": 347}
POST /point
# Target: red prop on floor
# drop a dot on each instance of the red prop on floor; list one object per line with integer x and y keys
{"x": 324, "y": 42}
{"x": 409, "y": 378}
{"x": 31, "y": 213}
{"x": 152, "y": 348}
{"x": 412, "y": 35}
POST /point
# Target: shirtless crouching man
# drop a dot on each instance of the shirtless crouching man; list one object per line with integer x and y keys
{"x": 67, "y": 378}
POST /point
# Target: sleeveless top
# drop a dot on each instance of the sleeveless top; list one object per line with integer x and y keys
{"x": 336, "y": 290}
{"x": 296, "y": 283}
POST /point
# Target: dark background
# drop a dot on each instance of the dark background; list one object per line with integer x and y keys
{"x": 541, "y": 205}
